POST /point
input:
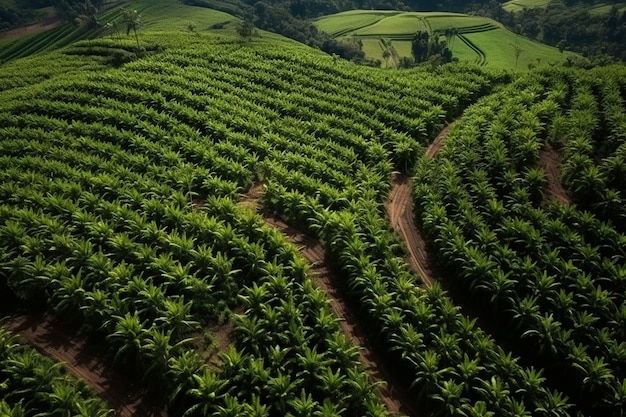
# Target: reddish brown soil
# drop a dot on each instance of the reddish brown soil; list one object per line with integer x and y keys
{"x": 394, "y": 395}
{"x": 400, "y": 210}
{"x": 221, "y": 334}
{"x": 437, "y": 144}
{"x": 49, "y": 22}
{"x": 85, "y": 362}
{"x": 251, "y": 198}
{"x": 550, "y": 163}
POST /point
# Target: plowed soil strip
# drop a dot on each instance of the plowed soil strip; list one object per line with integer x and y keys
{"x": 550, "y": 163}
{"x": 395, "y": 396}
{"x": 84, "y": 362}
{"x": 400, "y": 209}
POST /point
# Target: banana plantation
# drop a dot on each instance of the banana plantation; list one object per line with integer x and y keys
{"x": 120, "y": 217}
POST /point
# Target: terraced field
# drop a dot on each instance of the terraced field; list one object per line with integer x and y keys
{"x": 480, "y": 40}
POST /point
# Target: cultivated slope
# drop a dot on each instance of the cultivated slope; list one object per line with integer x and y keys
{"x": 119, "y": 210}
{"x": 479, "y": 39}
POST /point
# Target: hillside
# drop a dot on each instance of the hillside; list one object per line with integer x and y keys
{"x": 517, "y": 5}
{"x": 251, "y": 227}
{"x": 596, "y": 30}
{"x": 157, "y": 15}
{"x": 595, "y": 9}
{"x": 478, "y": 40}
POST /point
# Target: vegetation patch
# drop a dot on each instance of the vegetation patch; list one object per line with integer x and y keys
{"x": 482, "y": 40}
{"x": 517, "y": 5}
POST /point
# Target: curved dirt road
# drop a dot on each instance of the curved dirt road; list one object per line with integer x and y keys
{"x": 437, "y": 144}
{"x": 85, "y": 362}
{"x": 400, "y": 210}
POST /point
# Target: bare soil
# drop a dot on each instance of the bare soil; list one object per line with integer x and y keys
{"x": 550, "y": 163}
{"x": 400, "y": 210}
{"x": 222, "y": 339}
{"x": 85, "y": 361}
{"x": 437, "y": 144}
{"x": 393, "y": 393}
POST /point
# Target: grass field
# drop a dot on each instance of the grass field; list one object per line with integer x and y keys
{"x": 595, "y": 10}
{"x": 480, "y": 40}
{"x": 518, "y": 5}
{"x": 157, "y": 16}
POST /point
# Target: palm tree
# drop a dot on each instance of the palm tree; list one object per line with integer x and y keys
{"x": 330, "y": 409}
{"x": 281, "y": 391}
{"x": 304, "y": 405}
{"x": 428, "y": 374}
{"x": 208, "y": 389}
{"x": 496, "y": 392}
{"x": 63, "y": 398}
{"x": 597, "y": 375}
{"x": 7, "y": 411}
{"x": 132, "y": 19}
{"x": 181, "y": 369}
{"x": 450, "y": 394}
{"x": 129, "y": 336}
{"x": 478, "y": 410}
{"x": 255, "y": 408}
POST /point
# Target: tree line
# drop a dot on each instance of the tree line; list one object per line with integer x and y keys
{"x": 568, "y": 25}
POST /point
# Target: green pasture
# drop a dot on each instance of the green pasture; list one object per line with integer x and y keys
{"x": 347, "y": 21}
{"x": 500, "y": 47}
{"x": 595, "y": 10}
{"x": 377, "y": 22}
{"x": 519, "y": 5}
{"x": 166, "y": 15}
{"x": 481, "y": 40}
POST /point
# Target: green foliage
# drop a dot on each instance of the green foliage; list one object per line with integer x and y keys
{"x": 118, "y": 206}
{"x": 550, "y": 270}
{"x": 33, "y": 384}
{"x": 468, "y": 37}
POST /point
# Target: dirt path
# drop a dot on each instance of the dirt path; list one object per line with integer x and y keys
{"x": 437, "y": 144}
{"x": 550, "y": 163}
{"x": 393, "y": 393}
{"x": 85, "y": 362}
{"x": 400, "y": 210}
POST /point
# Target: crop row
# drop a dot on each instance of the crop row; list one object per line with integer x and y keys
{"x": 53, "y": 392}
{"x": 451, "y": 366}
{"x": 594, "y": 170}
{"x": 553, "y": 273}
{"x": 117, "y": 211}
